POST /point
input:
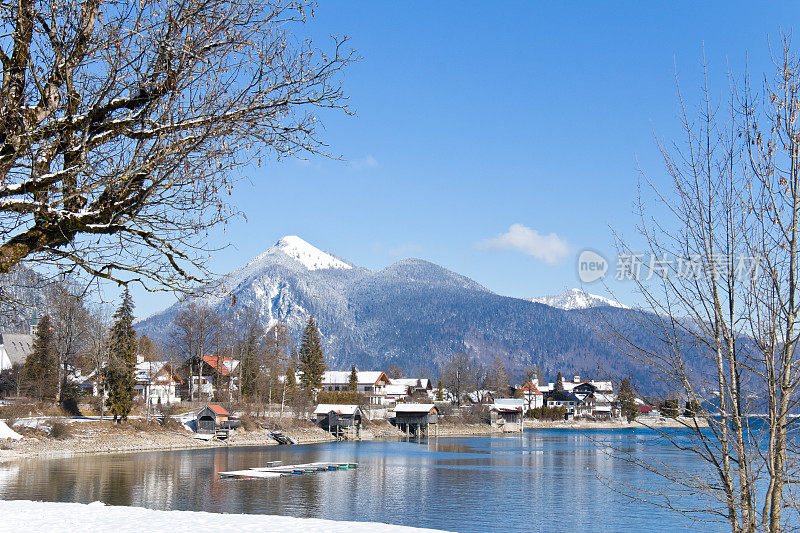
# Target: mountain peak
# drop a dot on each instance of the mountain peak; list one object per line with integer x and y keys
{"x": 577, "y": 299}
{"x": 309, "y": 256}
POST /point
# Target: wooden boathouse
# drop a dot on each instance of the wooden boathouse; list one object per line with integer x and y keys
{"x": 507, "y": 413}
{"x": 416, "y": 419}
{"x": 215, "y": 420}
{"x": 343, "y": 421}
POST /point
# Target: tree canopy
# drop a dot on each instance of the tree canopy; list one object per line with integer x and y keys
{"x": 124, "y": 125}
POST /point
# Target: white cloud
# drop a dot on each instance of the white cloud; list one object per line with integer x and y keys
{"x": 364, "y": 162}
{"x": 548, "y": 248}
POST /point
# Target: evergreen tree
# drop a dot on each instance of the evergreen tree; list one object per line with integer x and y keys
{"x": 291, "y": 379}
{"x": 559, "y": 382}
{"x": 440, "y": 392}
{"x": 122, "y": 359}
{"x": 41, "y": 367}
{"x": 312, "y": 361}
{"x": 627, "y": 401}
{"x": 352, "y": 383}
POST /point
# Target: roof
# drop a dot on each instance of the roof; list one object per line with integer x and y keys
{"x": 411, "y": 382}
{"x": 507, "y": 404}
{"x": 414, "y": 407}
{"x": 338, "y": 377}
{"x": 342, "y": 409}
{"x": 396, "y": 390}
{"x": 149, "y": 371}
{"x": 646, "y": 408}
{"x": 218, "y": 409}
{"x": 223, "y": 365}
{"x": 531, "y": 388}
{"x": 563, "y": 396}
{"x": 17, "y": 346}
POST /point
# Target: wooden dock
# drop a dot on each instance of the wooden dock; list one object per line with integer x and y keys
{"x": 286, "y": 470}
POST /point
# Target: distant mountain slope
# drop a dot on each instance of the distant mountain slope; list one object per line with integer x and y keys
{"x": 412, "y": 313}
{"x": 576, "y": 299}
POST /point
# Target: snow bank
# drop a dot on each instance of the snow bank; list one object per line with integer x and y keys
{"x": 22, "y": 515}
{"x": 8, "y": 433}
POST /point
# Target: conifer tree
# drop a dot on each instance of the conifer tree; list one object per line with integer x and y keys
{"x": 559, "y": 382}
{"x": 41, "y": 367}
{"x": 291, "y": 378}
{"x": 627, "y": 401}
{"x": 440, "y": 392}
{"x": 352, "y": 383}
{"x": 312, "y": 361}
{"x": 122, "y": 359}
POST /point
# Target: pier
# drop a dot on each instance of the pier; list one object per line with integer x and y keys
{"x": 278, "y": 470}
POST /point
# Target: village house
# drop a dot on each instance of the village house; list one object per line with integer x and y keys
{"x": 202, "y": 385}
{"x": 415, "y": 386}
{"x": 156, "y": 382}
{"x": 563, "y": 399}
{"x": 395, "y": 393}
{"x": 226, "y": 369}
{"x": 371, "y": 383}
{"x": 534, "y": 398}
{"x": 14, "y": 349}
{"x": 404, "y": 388}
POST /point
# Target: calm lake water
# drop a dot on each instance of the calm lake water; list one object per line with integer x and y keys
{"x": 541, "y": 480}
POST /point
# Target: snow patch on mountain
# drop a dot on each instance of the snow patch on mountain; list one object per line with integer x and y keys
{"x": 298, "y": 250}
{"x": 310, "y": 257}
{"x": 577, "y": 299}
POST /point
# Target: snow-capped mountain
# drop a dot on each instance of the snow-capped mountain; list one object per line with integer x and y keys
{"x": 577, "y": 299}
{"x": 307, "y": 255}
{"x": 412, "y": 313}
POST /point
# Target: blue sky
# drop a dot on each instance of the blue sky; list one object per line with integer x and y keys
{"x": 472, "y": 118}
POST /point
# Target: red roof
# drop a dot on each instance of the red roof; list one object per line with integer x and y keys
{"x": 646, "y": 408}
{"x": 530, "y": 387}
{"x": 218, "y": 363}
{"x": 218, "y": 409}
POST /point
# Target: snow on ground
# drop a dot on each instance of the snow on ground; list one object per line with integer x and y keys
{"x": 23, "y": 515}
{"x": 8, "y": 433}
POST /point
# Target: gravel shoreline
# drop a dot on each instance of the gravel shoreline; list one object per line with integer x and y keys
{"x": 104, "y": 437}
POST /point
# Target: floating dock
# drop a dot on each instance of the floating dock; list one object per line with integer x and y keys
{"x": 274, "y": 470}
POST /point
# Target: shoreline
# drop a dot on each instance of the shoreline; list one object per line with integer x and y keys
{"x": 100, "y": 438}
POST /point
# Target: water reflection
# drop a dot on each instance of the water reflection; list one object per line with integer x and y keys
{"x": 539, "y": 480}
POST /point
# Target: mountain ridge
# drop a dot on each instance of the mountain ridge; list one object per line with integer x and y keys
{"x": 413, "y": 313}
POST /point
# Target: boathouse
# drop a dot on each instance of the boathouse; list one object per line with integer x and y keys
{"x": 212, "y": 417}
{"x": 416, "y": 418}
{"x": 507, "y": 413}
{"x": 343, "y": 421}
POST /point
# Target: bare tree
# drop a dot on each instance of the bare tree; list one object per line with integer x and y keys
{"x": 456, "y": 376}
{"x": 123, "y": 125}
{"x": 70, "y": 322}
{"x": 192, "y": 338}
{"x": 497, "y": 378}
{"x": 726, "y": 308}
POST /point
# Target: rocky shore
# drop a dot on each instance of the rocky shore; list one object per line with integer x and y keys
{"x": 105, "y": 437}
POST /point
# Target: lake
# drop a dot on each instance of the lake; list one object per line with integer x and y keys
{"x": 540, "y": 480}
